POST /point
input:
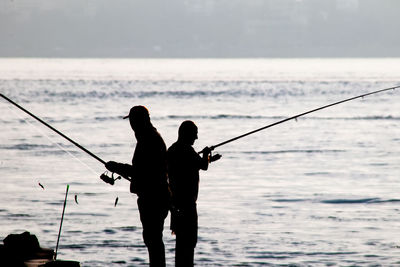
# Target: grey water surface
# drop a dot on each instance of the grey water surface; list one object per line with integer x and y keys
{"x": 319, "y": 191}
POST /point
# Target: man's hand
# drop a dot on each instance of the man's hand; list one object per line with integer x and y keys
{"x": 124, "y": 170}
{"x": 113, "y": 166}
{"x": 206, "y": 151}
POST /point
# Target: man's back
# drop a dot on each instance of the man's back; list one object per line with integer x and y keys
{"x": 149, "y": 165}
{"x": 183, "y": 172}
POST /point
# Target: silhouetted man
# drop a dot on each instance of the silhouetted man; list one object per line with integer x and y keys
{"x": 148, "y": 174}
{"x": 183, "y": 172}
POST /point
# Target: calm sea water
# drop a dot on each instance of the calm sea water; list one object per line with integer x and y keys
{"x": 319, "y": 191}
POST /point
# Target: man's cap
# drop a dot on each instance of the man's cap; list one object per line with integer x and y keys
{"x": 138, "y": 111}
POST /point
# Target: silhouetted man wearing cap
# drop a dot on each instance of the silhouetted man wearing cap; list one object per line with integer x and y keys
{"x": 148, "y": 174}
{"x": 183, "y": 172}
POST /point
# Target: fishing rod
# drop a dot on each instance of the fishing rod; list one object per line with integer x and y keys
{"x": 54, "y": 129}
{"x": 299, "y": 115}
{"x": 61, "y": 223}
{"x": 104, "y": 177}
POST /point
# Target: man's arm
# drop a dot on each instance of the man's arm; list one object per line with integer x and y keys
{"x": 122, "y": 169}
{"x": 205, "y": 159}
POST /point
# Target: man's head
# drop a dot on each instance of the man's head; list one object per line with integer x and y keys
{"x": 139, "y": 118}
{"x": 187, "y": 132}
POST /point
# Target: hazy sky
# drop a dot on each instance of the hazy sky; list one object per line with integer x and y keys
{"x": 199, "y": 28}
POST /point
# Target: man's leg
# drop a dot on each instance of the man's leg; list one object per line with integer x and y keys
{"x": 186, "y": 238}
{"x": 152, "y": 217}
{"x": 184, "y": 252}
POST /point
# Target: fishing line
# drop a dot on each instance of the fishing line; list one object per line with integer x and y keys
{"x": 104, "y": 177}
{"x": 50, "y": 139}
{"x": 54, "y": 129}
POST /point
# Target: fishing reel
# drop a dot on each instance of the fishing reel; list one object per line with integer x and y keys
{"x": 107, "y": 179}
{"x": 214, "y": 157}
